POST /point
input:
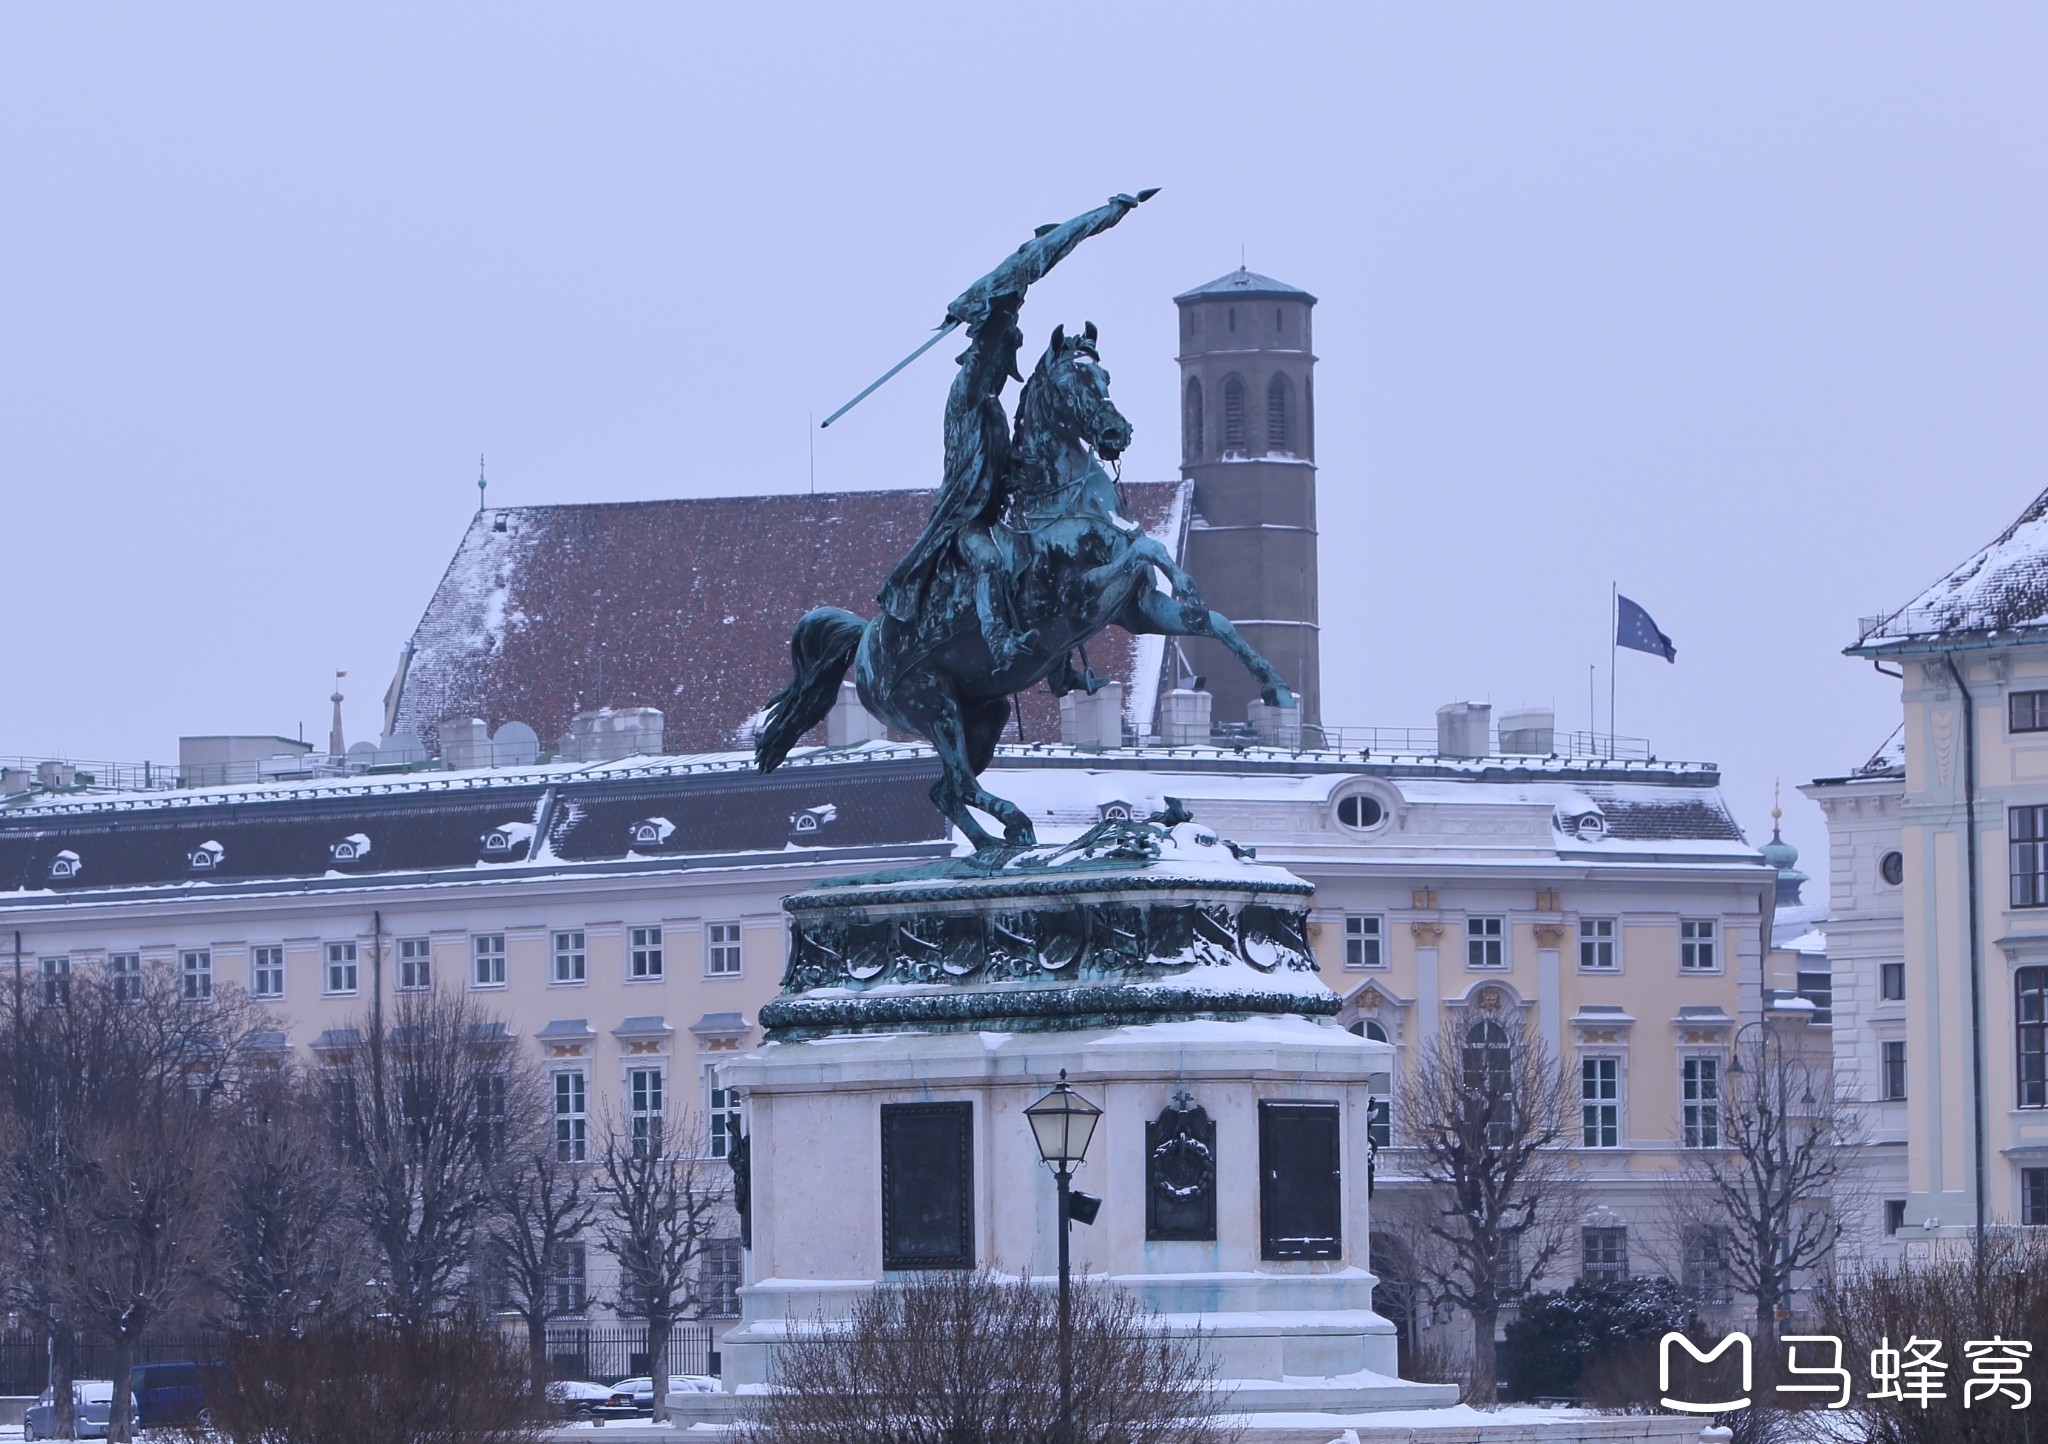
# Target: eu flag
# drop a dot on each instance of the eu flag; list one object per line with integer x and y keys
{"x": 1634, "y": 629}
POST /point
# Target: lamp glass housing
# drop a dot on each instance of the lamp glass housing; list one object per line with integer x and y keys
{"x": 1063, "y": 1122}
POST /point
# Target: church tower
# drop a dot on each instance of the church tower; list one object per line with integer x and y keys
{"x": 1248, "y": 443}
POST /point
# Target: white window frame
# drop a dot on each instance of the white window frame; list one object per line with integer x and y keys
{"x": 570, "y": 1286}
{"x": 1889, "y": 1049}
{"x": 568, "y": 959}
{"x": 1700, "y": 1100}
{"x": 415, "y": 965}
{"x": 1699, "y": 939}
{"x": 1613, "y": 1271}
{"x": 571, "y": 1104}
{"x": 341, "y": 970}
{"x": 722, "y": 1116}
{"x": 1598, "y": 938}
{"x": 1887, "y": 973}
{"x": 266, "y": 972}
{"x": 1365, "y": 941}
{"x": 646, "y": 1105}
{"x": 487, "y": 960}
{"x": 723, "y": 957}
{"x": 1600, "y": 1113}
{"x": 56, "y": 980}
{"x": 195, "y": 975}
{"x": 125, "y": 972}
{"x": 645, "y": 962}
{"x": 1486, "y": 935}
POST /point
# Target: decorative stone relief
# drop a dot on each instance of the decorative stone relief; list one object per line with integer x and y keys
{"x": 1180, "y": 1173}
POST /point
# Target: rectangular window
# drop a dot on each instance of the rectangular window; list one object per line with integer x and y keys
{"x": 2027, "y": 711}
{"x": 1894, "y": 1215}
{"x": 2030, "y": 1035}
{"x": 572, "y": 1117}
{"x": 1894, "y": 1065}
{"x": 1600, "y": 1102}
{"x": 927, "y": 1185}
{"x": 487, "y": 957}
{"x": 1818, "y": 988}
{"x": 126, "y": 971}
{"x": 415, "y": 965}
{"x": 1362, "y": 941}
{"x": 724, "y": 1114}
{"x": 1700, "y": 1102}
{"x": 493, "y": 1116}
{"x": 2034, "y": 1196}
{"x": 644, "y": 1109}
{"x": 266, "y": 973}
{"x": 571, "y": 1275}
{"x": 568, "y": 951}
{"x": 1379, "y": 1122}
{"x": 195, "y": 975}
{"x": 1300, "y": 1192}
{"x": 1596, "y": 945}
{"x": 341, "y": 967}
{"x": 722, "y": 950}
{"x": 56, "y": 982}
{"x": 1603, "y": 1255}
{"x": 1486, "y": 942}
{"x": 718, "y": 1278}
{"x": 1706, "y": 1266}
{"x": 1696, "y": 952}
{"x": 1891, "y": 982}
{"x": 2027, "y": 855}
{"x": 643, "y": 958}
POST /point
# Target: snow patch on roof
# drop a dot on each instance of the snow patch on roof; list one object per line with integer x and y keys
{"x": 2002, "y": 587}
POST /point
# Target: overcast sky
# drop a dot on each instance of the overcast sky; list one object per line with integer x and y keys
{"x": 1741, "y": 306}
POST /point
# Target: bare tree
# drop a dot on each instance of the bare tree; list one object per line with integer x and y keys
{"x": 1486, "y": 1112}
{"x": 427, "y": 1106}
{"x": 963, "y": 1356}
{"x": 290, "y": 1249}
{"x": 543, "y": 1207}
{"x": 665, "y": 1197}
{"x": 1770, "y": 1172}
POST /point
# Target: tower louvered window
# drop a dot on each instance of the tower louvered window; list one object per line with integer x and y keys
{"x": 1233, "y": 415}
{"x": 1276, "y": 414}
{"x": 1191, "y": 420}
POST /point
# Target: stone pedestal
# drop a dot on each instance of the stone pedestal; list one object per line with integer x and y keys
{"x": 1169, "y": 974}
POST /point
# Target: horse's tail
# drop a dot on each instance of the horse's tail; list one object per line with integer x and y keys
{"x": 820, "y": 651}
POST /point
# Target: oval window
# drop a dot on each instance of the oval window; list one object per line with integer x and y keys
{"x": 1360, "y": 810}
{"x": 1892, "y": 868}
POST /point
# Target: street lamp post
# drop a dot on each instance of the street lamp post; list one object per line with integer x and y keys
{"x": 1063, "y": 1122}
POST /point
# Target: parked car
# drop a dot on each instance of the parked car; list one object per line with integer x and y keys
{"x": 95, "y": 1398}
{"x": 636, "y": 1396}
{"x": 171, "y": 1393}
{"x": 576, "y": 1399}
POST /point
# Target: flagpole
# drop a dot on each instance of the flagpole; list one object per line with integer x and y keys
{"x": 1613, "y": 639}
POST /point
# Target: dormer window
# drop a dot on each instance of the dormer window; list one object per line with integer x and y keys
{"x": 652, "y": 831}
{"x": 353, "y": 848}
{"x": 506, "y": 841}
{"x": 812, "y": 820}
{"x": 1114, "y": 812}
{"x": 1588, "y": 826}
{"x": 207, "y": 856}
{"x": 64, "y": 865}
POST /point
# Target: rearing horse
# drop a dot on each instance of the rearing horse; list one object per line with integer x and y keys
{"x": 1075, "y": 562}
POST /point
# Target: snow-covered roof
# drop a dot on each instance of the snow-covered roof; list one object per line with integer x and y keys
{"x": 525, "y": 623}
{"x": 2002, "y": 588}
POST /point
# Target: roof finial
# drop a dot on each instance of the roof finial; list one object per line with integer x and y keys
{"x": 480, "y": 483}
{"x": 336, "y": 746}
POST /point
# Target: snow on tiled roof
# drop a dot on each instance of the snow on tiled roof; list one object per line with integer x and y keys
{"x": 1890, "y": 759}
{"x": 686, "y": 606}
{"x": 2002, "y": 588}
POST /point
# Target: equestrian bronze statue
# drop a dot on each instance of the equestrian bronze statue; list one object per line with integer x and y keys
{"x": 1028, "y": 554}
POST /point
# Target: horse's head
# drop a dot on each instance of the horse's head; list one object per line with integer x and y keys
{"x": 1072, "y": 394}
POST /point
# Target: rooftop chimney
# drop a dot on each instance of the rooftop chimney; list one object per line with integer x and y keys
{"x": 1463, "y": 729}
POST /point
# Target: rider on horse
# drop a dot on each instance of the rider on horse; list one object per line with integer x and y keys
{"x": 975, "y": 490}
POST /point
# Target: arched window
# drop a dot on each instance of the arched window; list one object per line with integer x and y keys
{"x": 1233, "y": 318}
{"x": 1489, "y": 1083}
{"x": 1191, "y": 420}
{"x": 2030, "y": 1040}
{"x": 1233, "y": 415}
{"x": 1276, "y": 413}
{"x": 1276, "y": 318}
{"x": 1371, "y": 1028}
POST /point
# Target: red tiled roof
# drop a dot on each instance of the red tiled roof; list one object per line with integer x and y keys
{"x": 687, "y": 606}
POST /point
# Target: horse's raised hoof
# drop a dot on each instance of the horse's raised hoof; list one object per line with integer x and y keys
{"x": 1278, "y": 695}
